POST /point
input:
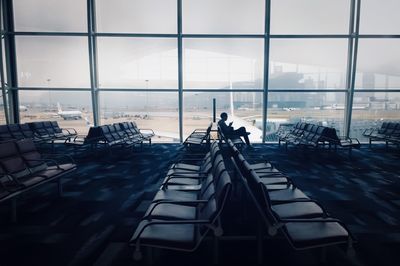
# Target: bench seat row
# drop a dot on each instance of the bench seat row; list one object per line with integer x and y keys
{"x": 23, "y": 168}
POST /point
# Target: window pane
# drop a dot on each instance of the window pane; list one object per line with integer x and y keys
{"x": 326, "y": 109}
{"x": 378, "y": 64}
{"x": 145, "y": 63}
{"x": 308, "y": 64}
{"x": 223, "y": 16}
{"x": 310, "y": 16}
{"x": 243, "y": 108}
{"x": 380, "y": 17}
{"x": 223, "y": 63}
{"x": 42, "y": 106}
{"x": 137, "y": 16}
{"x": 157, "y": 111}
{"x": 2, "y": 114}
{"x": 370, "y": 109}
{"x": 50, "y": 15}
{"x": 53, "y": 62}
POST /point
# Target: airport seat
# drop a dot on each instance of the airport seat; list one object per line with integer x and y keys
{"x": 304, "y": 224}
{"x": 389, "y": 132}
{"x": 198, "y": 137}
{"x": 5, "y": 133}
{"x": 174, "y": 225}
{"x": 23, "y": 168}
{"x": 64, "y": 132}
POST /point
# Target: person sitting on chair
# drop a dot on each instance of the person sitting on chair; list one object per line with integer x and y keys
{"x": 229, "y": 131}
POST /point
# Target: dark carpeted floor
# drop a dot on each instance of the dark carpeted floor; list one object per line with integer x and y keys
{"x": 104, "y": 200}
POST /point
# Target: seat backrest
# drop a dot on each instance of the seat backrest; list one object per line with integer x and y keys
{"x": 4, "y": 133}
{"x": 106, "y": 133}
{"x": 11, "y": 161}
{"x": 214, "y": 207}
{"x": 31, "y": 156}
{"x": 56, "y": 127}
{"x": 48, "y": 127}
{"x": 38, "y": 128}
{"x": 94, "y": 134}
{"x": 15, "y": 131}
{"x": 331, "y": 134}
{"x": 26, "y": 131}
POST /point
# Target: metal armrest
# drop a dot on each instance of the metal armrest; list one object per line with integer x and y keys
{"x": 72, "y": 129}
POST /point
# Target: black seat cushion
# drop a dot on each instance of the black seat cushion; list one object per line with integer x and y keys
{"x": 183, "y": 181}
{"x": 176, "y": 195}
{"x": 297, "y": 210}
{"x": 180, "y": 236}
{"x": 287, "y": 195}
{"x": 308, "y": 234}
{"x": 186, "y": 166}
{"x": 171, "y": 212}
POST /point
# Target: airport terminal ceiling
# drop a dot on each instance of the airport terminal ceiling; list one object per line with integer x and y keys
{"x": 161, "y": 62}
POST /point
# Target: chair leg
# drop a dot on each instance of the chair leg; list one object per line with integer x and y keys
{"x": 60, "y": 188}
{"x": 323, "y": 255}
{"x": 14, "y": 210}
{"x": 216, "y": 251}
{"x": 149, "y": 256}
{"x": 260, "y": 257}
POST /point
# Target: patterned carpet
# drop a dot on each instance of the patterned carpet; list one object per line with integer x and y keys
{"x": 104, "y": 200}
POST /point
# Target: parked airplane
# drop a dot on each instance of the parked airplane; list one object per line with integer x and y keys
{"x": 73, "y": 115}
{"x": 23, "y": 108}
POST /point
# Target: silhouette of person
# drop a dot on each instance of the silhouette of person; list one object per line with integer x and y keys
{"x": 229, "y": 131}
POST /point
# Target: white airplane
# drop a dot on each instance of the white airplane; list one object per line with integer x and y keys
{"x": 73, "y": 115}
{"x": 23, "y": 108}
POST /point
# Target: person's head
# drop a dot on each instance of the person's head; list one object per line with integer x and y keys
{"x": 224, "y": 116}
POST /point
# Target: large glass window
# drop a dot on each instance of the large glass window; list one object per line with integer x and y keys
{"x": 223, "y": 63}
{"x": 52, "y": 62}
{"x": 144, "y": 63}
{"x": 150, "y": 110}
{"x": 378, "y": 64}
{"x": 326, "y": 109}
{"x": 69, "y": 109}
{"x": 223, "y": 16}
{"x": 308, "y": 64}
{"x": 243, "y": 108}
{"x": 380, "y": 17}
{"x": 310, "y": 16}
{"x": 136, "y": 16}
{"x": 50, "y": 15}
{"x": 370, "y": 109}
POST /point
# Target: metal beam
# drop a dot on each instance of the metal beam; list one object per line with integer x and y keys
{"x": 2, "y": 76}
{"x": 267, "y": 31}
{"x": 354, "y": 68}
{"x": 11, "y": 62}
{"x": 180, "y": 70}
{"x": 93, "y": 60}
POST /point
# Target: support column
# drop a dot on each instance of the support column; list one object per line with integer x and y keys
{"x": 180, "y": 71}
{"x": 266, "y": 65}
{"x": 92, "y": 42}
{"x": 11, "y": 62}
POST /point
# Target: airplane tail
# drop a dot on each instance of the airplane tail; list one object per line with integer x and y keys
{"x": 59, "y": 107}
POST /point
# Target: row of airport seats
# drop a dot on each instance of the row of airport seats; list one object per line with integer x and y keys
{"x": 125, "y": 134}
{"x": 187, "y": 207}
{"x": 198, "y": 138}
{"x": 23, "y": 168}
{"x": 39, "y": 132}
{"x": 312, "y": 135}
{"x": 389, "y": 132}
{"x": 285, "y": 209}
